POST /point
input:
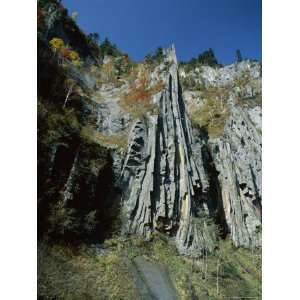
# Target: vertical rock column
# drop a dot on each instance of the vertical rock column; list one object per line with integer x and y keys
{"x": 161, "y": 181}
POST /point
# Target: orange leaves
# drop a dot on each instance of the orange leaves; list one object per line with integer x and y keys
{"x": 141, "y": 91}
{"x": 65, "y": 53}
{"x": 138, "y": 100}
{"x": 69, "y": 54}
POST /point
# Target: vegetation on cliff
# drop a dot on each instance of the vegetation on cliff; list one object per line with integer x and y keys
{"x": 80, "y": 252}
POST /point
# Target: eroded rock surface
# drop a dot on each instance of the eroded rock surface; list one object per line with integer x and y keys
{"x": 237, "y": 157}
{"x": 166, "y": 180}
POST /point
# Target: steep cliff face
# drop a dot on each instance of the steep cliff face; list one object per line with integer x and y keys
{"x": 237, "y": 157}
{"x": 163, "y": 182}
{"x": 144, "y": 160}
{"x": 165, "y": 179}
{"x": 236, "y": 149}
{"x": 172, "y": 147}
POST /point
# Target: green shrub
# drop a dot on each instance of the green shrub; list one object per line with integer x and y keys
{"x": 69, "y": 273}
{"x": 66, "y": 221}
{"x": 62, "y": 220}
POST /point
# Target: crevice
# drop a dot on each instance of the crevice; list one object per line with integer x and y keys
{"x": 214, "y": 198}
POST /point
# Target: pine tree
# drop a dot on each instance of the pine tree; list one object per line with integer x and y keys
{"x": 208, "y": 58}
{"x": 238, "y": 55}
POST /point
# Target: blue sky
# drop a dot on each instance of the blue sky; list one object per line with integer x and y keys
{"x": 140, "y": 26}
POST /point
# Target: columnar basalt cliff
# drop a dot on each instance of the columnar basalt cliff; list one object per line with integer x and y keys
{"x": 238, "y": 159}
{"x": 166, "y": 185}
{"x": 193, "y": 138}
{"x": 149, "y": 172}
{"x": 162, "y": 181}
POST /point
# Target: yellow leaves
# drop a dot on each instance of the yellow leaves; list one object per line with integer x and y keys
{"x": 56, "y": 43}
{"x": 74, "y": 56}
{"x": 77, "y": 63}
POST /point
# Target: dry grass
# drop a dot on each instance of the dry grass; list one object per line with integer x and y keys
{"x": 239, "y": 271}
{"x": 68, "y": 273}
{"x": 242, "y": 80}
{"x": 214, "y": 112}
{"x": 118, "y": 141}
{"x": 138, "y": 100}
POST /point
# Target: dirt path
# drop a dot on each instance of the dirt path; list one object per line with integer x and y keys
{"x": 153, "y": 281}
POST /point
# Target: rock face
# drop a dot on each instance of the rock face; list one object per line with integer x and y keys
{"x": 163, "y": 182}
{"x": 236, "y": 153}
{"x": 172, "y": 178}
{"x": 237, "y": 157}
{"x": 166, "y": 181}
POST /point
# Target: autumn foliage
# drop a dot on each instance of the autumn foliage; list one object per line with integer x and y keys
{"x": 138, "y": 100}
{"x": 56, "y": 43}
{"x": 58, "y": 46}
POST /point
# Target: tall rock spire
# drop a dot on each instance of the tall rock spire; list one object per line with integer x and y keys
{"x": 163, "y": 182}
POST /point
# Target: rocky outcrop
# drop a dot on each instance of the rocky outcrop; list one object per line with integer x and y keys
{"x": 163, "y": 182}
{"x": 173, "y": 179}
{"x": 237, "y": 156}
{"x": 166, "y": 177}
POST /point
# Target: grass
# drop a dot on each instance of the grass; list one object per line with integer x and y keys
{"x": 214, "y": 112}
{"x": 78, "y": 273}
{"x": 238, "y": 276}
{"x": 242, "y": 80}
{"x": 82, "y": 274}
{"x": 250, "y": 102}
{"x": 118, "y": 141}
{"x": 191, "y": 84}
{"x": 138, "y": 100}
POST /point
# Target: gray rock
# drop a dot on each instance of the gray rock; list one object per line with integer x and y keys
{"x": 162, "y": 180}
{"x": 237, "y": 157}
{"x": 166, "y": 180}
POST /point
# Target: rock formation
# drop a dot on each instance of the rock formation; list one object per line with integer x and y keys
{"x": 165, "y": 183}
{"x": 237, "y": 157}
{"x": 173, "y": 177}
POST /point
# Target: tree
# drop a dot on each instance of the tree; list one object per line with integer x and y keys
{"x": 238, "y": 55}
{"x": 56, "y": 44}
{"x": 159, "y": 54}
{"x": 208, "y": 58}
{"x": 94, "y": 37}
{"x": 70, "y": 83}
{"x": 107, "y": 48}
{"x": 149, "y": 59}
